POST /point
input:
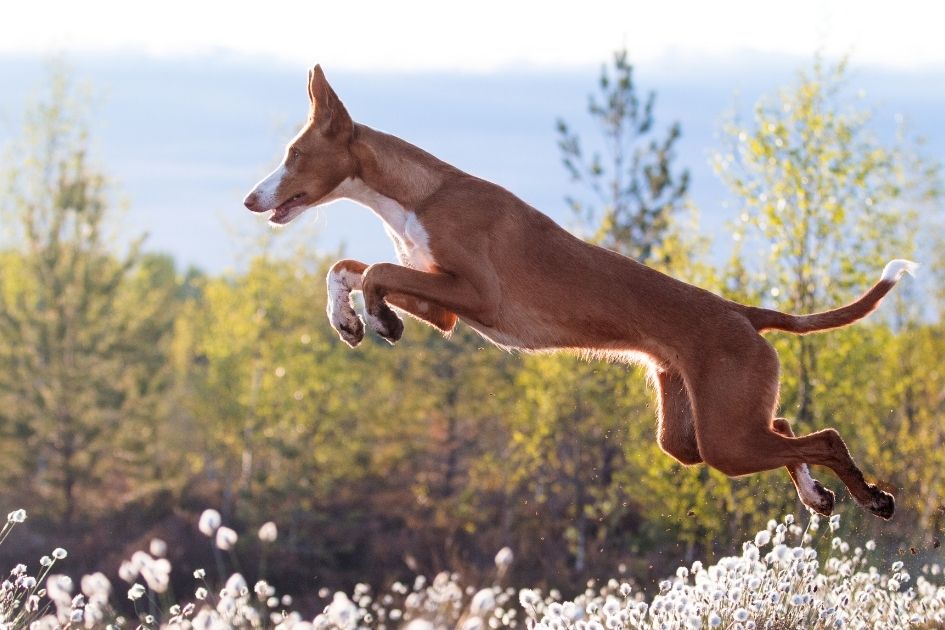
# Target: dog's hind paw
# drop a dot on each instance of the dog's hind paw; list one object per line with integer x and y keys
{"x": 882, "y": 504}
{"x": 824, "y": 502}
{"x": 387, "y": 324}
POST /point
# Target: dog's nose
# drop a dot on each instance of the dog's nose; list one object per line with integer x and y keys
{"x": 252, "y": 201}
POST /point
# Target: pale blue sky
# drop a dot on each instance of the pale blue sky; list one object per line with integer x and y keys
{"x": 198, "y": 99}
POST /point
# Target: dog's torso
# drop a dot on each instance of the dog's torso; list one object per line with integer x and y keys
{"x": 556, "y": 290}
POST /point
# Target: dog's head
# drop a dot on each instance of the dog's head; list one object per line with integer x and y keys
{"x": 316, "y": 161}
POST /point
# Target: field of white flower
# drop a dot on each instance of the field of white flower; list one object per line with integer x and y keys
{"x": 779, "y": 581}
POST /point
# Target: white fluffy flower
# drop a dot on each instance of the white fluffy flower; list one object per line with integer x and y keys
{"x": 268, "y": 532}
{"x": 209, "y": 522}
{"x": 96, "y": 587}
{"x": 504, "y": 558}
{"x": 263, "y": 590}
{"x": 128, "y": 571}
{"x": 528, "y": 598}
{"x": 343, "y": 613}
{"x": 483, "y": 602}
{"x": 136, "y": 592}
{"x": 834, "y": 522}
{"x": 226, "y": 538}
{"x": 16, "y": 516}
{"x": 158, "y": 548}
{"x": 59, "y": 589}
{"x": 236, "y": 585}
{"x": 157, "y": 574}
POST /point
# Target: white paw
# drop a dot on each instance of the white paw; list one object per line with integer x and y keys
{"x": 346, "y": 322}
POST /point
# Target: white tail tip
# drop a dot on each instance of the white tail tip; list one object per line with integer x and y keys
{"x": 895, "y": 268}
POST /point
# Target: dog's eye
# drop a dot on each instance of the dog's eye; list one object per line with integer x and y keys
{"x": 294, "y": 153}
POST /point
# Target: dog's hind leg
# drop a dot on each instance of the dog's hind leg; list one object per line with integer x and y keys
{"x": 734, "y": 403}
{"x": 675, "y": 430}
{"x": 812, "y": 493}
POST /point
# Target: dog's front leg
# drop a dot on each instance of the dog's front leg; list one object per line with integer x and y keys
{"x": 345, "y": 277}
{"x": 474, "y": 294}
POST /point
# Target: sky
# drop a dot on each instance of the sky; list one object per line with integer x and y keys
{"x": 195, "y": 100}
{"x": 484, "y": 36}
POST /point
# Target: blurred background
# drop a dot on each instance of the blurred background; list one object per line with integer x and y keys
{"x": 163, "y": 351}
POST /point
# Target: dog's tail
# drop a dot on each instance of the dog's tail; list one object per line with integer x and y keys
{"x": 767, "y": 319}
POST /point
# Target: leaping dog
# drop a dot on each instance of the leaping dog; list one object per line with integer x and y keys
{"x": 473, "y": 251}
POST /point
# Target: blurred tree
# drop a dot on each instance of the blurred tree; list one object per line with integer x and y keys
{"x": 827, "y": 203}
{"x": 573, "y": 456}
{"x": 452, "y": 418}
{"x": 635, "y": 187}
{"x": 569, "y": 434}
{"x": 363, "y": 456}
{"x": 83, "y": 331}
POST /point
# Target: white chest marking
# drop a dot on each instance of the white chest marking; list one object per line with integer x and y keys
{"x": 410, "y": 238}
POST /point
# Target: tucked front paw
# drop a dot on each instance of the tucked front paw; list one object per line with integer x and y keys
{"x": 387, "y": 324}
{"x": 349, "y": 326}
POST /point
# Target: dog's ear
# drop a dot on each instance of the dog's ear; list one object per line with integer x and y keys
{"x": 326, "y": 109}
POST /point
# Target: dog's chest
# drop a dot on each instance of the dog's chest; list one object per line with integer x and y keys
{"x": 412, "y": 243}
{"x": 411, "y": 240}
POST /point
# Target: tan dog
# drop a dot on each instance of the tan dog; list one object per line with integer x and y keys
{"x": 472, "y": 250}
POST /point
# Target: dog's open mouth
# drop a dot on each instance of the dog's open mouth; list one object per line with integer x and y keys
{"x": 286, "y": 211}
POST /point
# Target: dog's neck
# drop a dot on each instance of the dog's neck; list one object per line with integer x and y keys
{"x": 396, "y": 169}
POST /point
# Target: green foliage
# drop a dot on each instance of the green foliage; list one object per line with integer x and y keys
{"x": 633, "y": 183}
{"x": 827, "y": 201}
{"x": 825, "y": 204}
{"x": 84, "y": 331}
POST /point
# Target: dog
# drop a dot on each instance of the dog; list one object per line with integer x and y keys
{"x": 470, "y": 250}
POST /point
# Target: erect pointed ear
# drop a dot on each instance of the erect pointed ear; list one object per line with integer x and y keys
{"x": 326, "y": 109}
